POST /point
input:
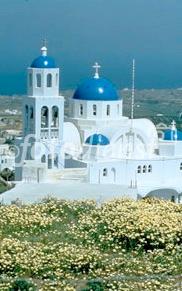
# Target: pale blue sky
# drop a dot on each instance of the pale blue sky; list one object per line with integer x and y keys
{"x": 79, "y": 32}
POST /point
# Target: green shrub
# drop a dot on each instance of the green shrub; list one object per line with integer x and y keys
{"x": 22, "y": 285}
{"x": 94, "y": 285}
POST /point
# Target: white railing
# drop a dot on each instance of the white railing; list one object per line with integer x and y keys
{"x": 52, "y": 133}
{"x": 44, "y": 134}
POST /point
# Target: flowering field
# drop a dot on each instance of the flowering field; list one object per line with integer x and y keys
{"x": 123, "y": 245}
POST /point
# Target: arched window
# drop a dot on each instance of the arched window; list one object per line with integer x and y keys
{"x": 43, "y": 159}
{"x": 105, "y": 172}
{"x": 30, "y": 80}
{"x": 57, "y": 79}
{"x": 144, "y": 169}
{"x": 113, "y": 172}
{"x": 38, "y": 80}
{"x": 139, "y": 169}
{"x": 49, "y": 80}
{"x": 94, "y": 109}
{"x": 26, "y": 115}
{"x": 55, "y": 116}
{"x": 56, "y": 161}
{"x": 173, "y": 198}
{"x": 150, "y": 168}
{"x": 180, "y": 199}
{"x": 181, "y": 167}
{"x": 118, "y": 109}
{"x": 31, "y": 113}
{"x": 81, "y": 109}
{"x": 44, "y": 117}
{"x": 49, "y": 162}
{"x": 108, "y": 110}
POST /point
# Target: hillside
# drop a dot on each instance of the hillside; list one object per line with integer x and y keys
{"x": 166, "y": 102}
{"x": 121, "y": 245}
{"x": 159, "y": 105}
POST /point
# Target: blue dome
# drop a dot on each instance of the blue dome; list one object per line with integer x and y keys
{"x": 97, "y": 139}
{"x": 43, "y": 62}
{"x": 98, "y": 89}
{"x": 172, "y": 135}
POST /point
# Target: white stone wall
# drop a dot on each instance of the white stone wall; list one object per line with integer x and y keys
{"x": 33, "y": 172}
{"x": 163, "y": 172}
{"x": 170, "y": 148}
{"x": 43, "y": 90}
{"x": 113, "y": 111}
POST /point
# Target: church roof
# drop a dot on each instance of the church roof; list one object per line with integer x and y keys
{"x": 172, "y": 135}
{"x": 43, "y": 61}
{"x": 96, "y": 88}
{"x": 97, "y": 139}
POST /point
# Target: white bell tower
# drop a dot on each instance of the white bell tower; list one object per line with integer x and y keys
{"x": 43, "y": 76}
{"x": 43, "y": 114}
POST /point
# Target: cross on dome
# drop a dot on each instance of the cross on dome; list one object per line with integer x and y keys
{"x": 45, "y": 42}
{"x": 173, "y": 130}
{"x": 44, "y": 48}
{"x": 173, "y": 125}
{"x": 43, "y": 61}
{"x": 96, "y": 67}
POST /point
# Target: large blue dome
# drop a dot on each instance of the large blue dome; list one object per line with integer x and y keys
{"x": 99, "y": 89}
{"x": 43, "y": 62}
{"x": 97, "y": 139}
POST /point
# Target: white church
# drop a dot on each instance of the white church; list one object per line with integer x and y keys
{"x": 94, "y": 151}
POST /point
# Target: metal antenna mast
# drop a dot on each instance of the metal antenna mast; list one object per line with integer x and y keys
{"x": 133, "y": 93}
{"x": 131, "y": 134}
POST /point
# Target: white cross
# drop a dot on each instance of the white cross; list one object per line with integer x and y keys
{"x": 44, "y": 42}
{"x": 96, "y": 67}
{"x": 173, "y": 125}
{"x": 44, "y": 48}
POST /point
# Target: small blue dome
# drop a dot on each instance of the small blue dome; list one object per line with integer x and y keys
{"x": 97, "y": 139}
{"x": 172, "y": 135}
{"x": 98, "y": 89}
{"x": 43, "y": 62}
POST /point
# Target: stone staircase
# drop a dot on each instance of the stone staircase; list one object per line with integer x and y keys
{"x": 75, "y": 174}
